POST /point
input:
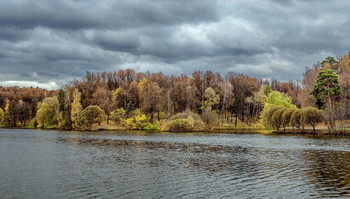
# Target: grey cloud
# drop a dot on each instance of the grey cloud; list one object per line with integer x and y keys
{"x": 68, "y": 14}
{"x": 48, "y": 40}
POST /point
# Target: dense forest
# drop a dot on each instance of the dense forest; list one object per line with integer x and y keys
{"x": 126, "y": 99}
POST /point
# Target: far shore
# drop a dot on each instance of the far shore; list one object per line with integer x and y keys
{"x": 312, "y": 132}
{"x": 215, "y": 130}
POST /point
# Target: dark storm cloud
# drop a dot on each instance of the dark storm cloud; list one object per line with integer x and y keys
{"x": 49, "y": 42}
{"x": 81, "y": 14}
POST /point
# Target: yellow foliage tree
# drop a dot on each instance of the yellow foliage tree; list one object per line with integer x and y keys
{"x": 344, "y": 63}
{"x": 211, "y": 99}
{"x": 2, "y": 115}
{"x": 76, "y": 106}
{"x": 6, "y": 111}
{"x": 142, "y": 85}
{"x": 89, "y": 116}
{"x": 120, "y": 97}
{"x": 48, "y": 112}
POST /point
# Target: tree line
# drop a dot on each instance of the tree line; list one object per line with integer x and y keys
{"x": 135, "y": 100}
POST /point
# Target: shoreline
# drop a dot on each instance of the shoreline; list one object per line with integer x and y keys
{"x": 324, "y": 132}
{"x": 312, "y": 132}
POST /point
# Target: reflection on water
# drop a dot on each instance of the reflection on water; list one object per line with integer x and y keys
{"x": 59, "y": 164}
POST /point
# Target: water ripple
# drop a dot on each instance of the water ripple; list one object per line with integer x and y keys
{"x": 50, "y": 164}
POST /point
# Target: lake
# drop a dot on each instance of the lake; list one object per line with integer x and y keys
{"x": 69, "y": 164}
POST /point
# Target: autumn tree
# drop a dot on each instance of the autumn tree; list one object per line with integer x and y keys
{"x": 64, "y": 99}
{"x": 150, "y": 98}
{"x": 344, "y": 63}
{"x": 102, "y": 97}
{"x": 118, "y": 114}
{"x": 23, "y": 111}
{"x": 227, "y": 96}
{"x": 134, "y": 94}
{"x": 243, "y": 87}
{"x": 210, "y": 99}
{"x": 309, "y": 79}
{"x": 344, "y": 81}
{"x": 90, "y": 115}
{"x": 120, "y": 97}
{"x": 61, "y": 99}
{"x": 2, "y": 115}
{"x": 48, "y": 112}
{"x": 76, "y": 106}
{"x": 190, "y": 98}
{"x": 7, "y": 112}
{"x": 13, "y": 112}
{"x": 198, "y": 86}
{"x": 210, "y": 117}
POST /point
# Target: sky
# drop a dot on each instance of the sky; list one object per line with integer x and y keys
{"x": 47, "y": 43}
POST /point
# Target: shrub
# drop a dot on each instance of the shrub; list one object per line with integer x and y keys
{"x": 152, "y": 127}
{"x": 295, "y": 118}
{"x": 268, "y": 114}
{"x": 138, "y": 121}
{"x": 276, "y": 119}
{"x": 310, "y": 116}
{"x": 118, "y": 115}
{"x": 185, "y": 125}
{"x": 286, "y": 116}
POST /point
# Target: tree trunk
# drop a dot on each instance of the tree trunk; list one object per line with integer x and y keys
{"x": 332, "y": 125}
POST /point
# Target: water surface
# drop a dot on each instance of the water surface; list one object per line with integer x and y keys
{"x": 63, "y": 164}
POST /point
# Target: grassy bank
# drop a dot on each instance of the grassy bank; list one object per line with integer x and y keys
{"x": 321, "y": 129}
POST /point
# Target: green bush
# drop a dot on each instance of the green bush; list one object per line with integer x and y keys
{"x": 118, "y": 115}
{"x": 295, "y": 118}
{"x": 276, "y": 119}
{"x": 138, "y": 121}
{"x": 310, "y": 116}
{"x": 267, "y": 116}
{"x": 185, "y": 125}
{"x": 286, "y": 116}
{"x": 152, "y": 127}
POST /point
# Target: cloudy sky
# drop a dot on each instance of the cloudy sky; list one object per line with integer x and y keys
{"x": 46, "y": 43}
